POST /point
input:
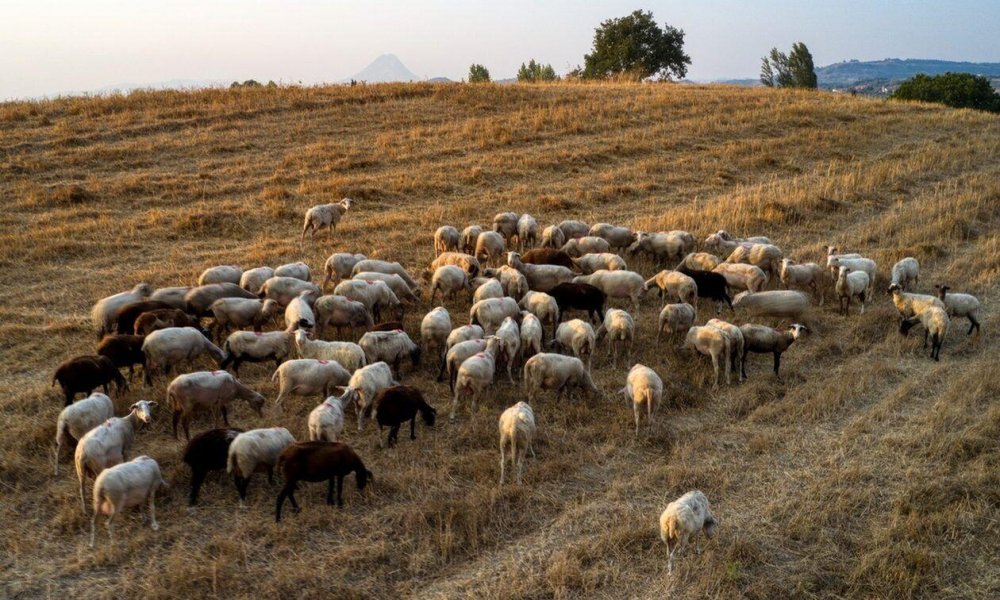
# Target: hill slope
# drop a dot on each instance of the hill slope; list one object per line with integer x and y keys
{"x": 894, "y": 70}
{"x": 868, "y": 471}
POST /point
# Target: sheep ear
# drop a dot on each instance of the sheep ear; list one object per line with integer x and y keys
{"x": 152, "y": 402}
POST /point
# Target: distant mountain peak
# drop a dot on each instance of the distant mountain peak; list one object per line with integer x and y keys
{"x": 384, "y": 69}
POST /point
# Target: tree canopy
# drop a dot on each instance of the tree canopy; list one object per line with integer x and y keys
{"x": 958, "y": 90}
{"x": 635, "y": 46}
{"x": 478, "y": 73}
{"x": 534, "y": 71}
{"x": 794, "y": 69}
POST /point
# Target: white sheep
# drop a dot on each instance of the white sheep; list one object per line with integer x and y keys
{"x": 104, "y": 313}
{"x": 741, "y": 276}
{"x": 469, "y": 236}
{"x": 644, "y": 391}
{"x": 298, "y": 270}
{"x": 221, "y": 274}
{"x": 547, "y": 371}
{"x": 255, "y": 451}
{"x": 390, "y": 347}
{"x": 339, "y": 266}
{"x": 759, "y": 239}
{"x": 531, "y": 334}
{"x": 675, "y": 318}
{"x": 935, "y": 321}
{"x": 617, "y": 237}
{"x": 446, "y": 239}
{"x": 542, "y": 306}
{"x": 465, "y": 333}
{"x": 348, "y": 354}
{"x": 476, "y": 374}
{"x": 174, "y": 296}
{"x": 619, "y": 328}
{"x": 577, "y": 247}
{"x": 578, "y": 337}
{"x": 736, "y": 345}
{"x": 713, "y": 342}
{"x": 308, "y": 377}
{"x": 449, "y": 280}
{"x": 866, "y": 265}
{"x": 540, "y": 278}
{"x": 490, "y": 247}
{"x": 766, "y": 256}
{"x": 457, "y": 355}
{"x": 208, "y": 391}
{"x": 513, "y": 282}
{"x": 527, "y": 231}
{"x": 573, "y": 229}
{"x": 553, "y": 237}
{"x": 80, "y": 417}
{"x": 510, "y": 338}
{"x": 434, "y": 331}
{"x": 588, "y": 263}
{"x": 851, "y": 284}
{"x": 683, "y": 519}
{"x": 505, "y": 224}
{"x": 165, "y": 348}
{"x": 674, "y": 285}
{"x": 490, "y": 288}
{"x": 325, "y": 216}
{"x": 698, "y": 261}
{"x": 252, "y": 279}
{"x": 794, "y": 275}
{"x": 106, "y": 445}
{"x": 386, "y": 267}
{"x": 467, "y": 262}
{"x": 199, "y": 299}
{"x": 661, "y": 246}
{"x": 617, "y": 284}
{"x": 338, "y": 311}
{"x": 517, "y": 432}
{"x": 241, "y": 312}
{"x": 960, "y": 305}
{"x": 780, "y": 304}
{"x": 396, "y": 283}
{"x": 249, "y": 346}
{"x": 906, "y": 272}
{"x": 299, "y": 312}
{"x": 491, "y": 312}
{"x": 762, "y": 340}
{"x": 284, "y": 289}
{"x": 369, "y": 381}
{"x": 123, "y": 486}
{"x": 375, "y": 295}
{"x": 909, "y": 304}
{"x": 326, "y": 421}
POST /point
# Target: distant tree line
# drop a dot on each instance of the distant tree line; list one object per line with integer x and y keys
{"x": 958, "y": 90}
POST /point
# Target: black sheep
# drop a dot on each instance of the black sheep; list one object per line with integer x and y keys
{"x": 124, "y": 351}
{"x": 548, "y": 256}
{"x": 319, "y": 461}
{"x": 581, "y": 296}
{"x": 396, "y": 405}
{"x": 84, "y": 373}
{"x": 126, "y": 315}
{"x": 207, "y": 452}
{"x": 710, "y": 285}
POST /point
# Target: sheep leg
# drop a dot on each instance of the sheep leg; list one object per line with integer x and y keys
{"x": 454, "y": 407}
{"x": 152, "y": 510}
{"x": 413, "y": 428}
{"x": 636, "y": 411}
{"x": 270, "y": 475}
{"x": 242, "y": 483}
{"x": 176, "y": 419}
{"x": 329, "y": 492}
{"x": 83, "y": 503}
{"x": 93, "y": 525}
{"x": 340, "y": 491}
{"x": 281, "y": 501}
{"x": 715, "y": 365}
{"x": 197, "y": 478}
{"x": 925, "y": 339}
{"x": 777, "y": 364}
{"x": 743, "y": 362}
{"x": 973, "y": 324}
{"x": 225, "y": 418}
{"x": 393, "y": 435}
{"x": 503, "y": 461}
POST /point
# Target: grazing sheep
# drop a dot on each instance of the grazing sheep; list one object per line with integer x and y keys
{"x": 573, "y": 229}
{"x": 396, "y": 283}
{"x": 722, "y": 233}
{"x": 208, "y": 391}
{"x": 106, "y": 445}
{"x": 851, "y": 283}
{"x": 935, "y": 321}
{"x": 580, "y": 296}
{"x": 319, "y": 461}
{"x": 576, "y": 247}
{"x": 82, "y": 374}
{"x": 514, "y": 283}
{"x": 761, "y": 340}
{"x": 309, "y": 377}
{"x": 909, "y": 304}
{"x": 832, "y": 253}
{"x": 348, "y": 354}
{"x": 390, "y": 347}
{"x": 644, "y": 390}
{"x": 252, "y": 279}
{"x": 238, "y": 313}
{"x": 325, "y": 216}
{"x": 385, "y": 267}
{"x": 221, "y": 274}
{"x": 617, "y": 284}
{"x": 661, "y": 247}
{"x": 103, "y": 313}
{"x": 961, "y": 305}
{"x": 548, "y": 256}
{"x": 174, "y": 296}
{"x": 450, "y": 280}
{"x": 255, "y": 451}
{"x": 510, "y": 339}
{"x": 207, "y": 452}
{"x": 162, "y": 318}
{"x": 906, "y": 272}
{"x": 249, "y": 346}
{"x": 340, "y": 312}
{"x": 617, "y": 237}
{"x": 375, "y": 295}
{"x": 125, "y": 316}
{"x": 476, "y": 374}
{"x": 396, "y": 405}
{"x": 505, "y": 224}
{"x": 683, "y": 519}
{"x": 517, "y": 432}
{"x": 446, "y": 239}
{"x": 434, "y": 331}
{"x": 469, "y": 237}
{"x": 674, "y": 285}
{"x": 123, "y": 351}
{"x": 543, "y": 306}
{"x": 722, "y": 247}
{"x": 369, "y": 380}
{"x": 809, "y": 275}
{"x": 710, "y": 285}
{"x": 199, "y": 300}
{"x": 339, "y": 266}
{"x": 80, "y": 417}
{"x": 713, "y": 342}
{"x": 619, "y": 327}
{"x": 465, "y": 333}
{"x": 741, "y": 276}
{"x": 736, "y": 345}
{"x": 326, "y": 421}
{"x": 296, "y": 270}
{"x": 299, "y": 312}
{"x": 285, "y": 289}
{"x": 457, "y": 355}
{"x": 589, "y": 263}
{"x": 766, "y": 256}
{"x": 491, "y": 312}
{"x": 531, "y": 335}
{"x": 553, "y": 237}
{"x": 467, "y": 262}
{"x": 675, "y": 318}
{"x": 527, "y": 231}
{"x": 490, "y": 288}
{"x": 547, "y": 371}
{"x": 865, "y": 265}
{"x": 490, "y": 247}
{"x": 698, "y": 261}
{"x": 779, "y": 304}
{"x": 123, "y": 486}
{"x": 168, "y": 347}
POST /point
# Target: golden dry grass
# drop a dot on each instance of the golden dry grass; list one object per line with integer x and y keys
{"x": 869, "y": 472}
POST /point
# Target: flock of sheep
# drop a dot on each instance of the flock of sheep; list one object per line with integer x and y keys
{"x": 520, "y": 301}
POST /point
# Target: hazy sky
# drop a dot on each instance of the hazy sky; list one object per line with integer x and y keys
{"x": 50, "y": 46}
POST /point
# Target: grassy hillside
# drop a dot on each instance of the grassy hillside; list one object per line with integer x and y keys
{"x": 869, "y": 471}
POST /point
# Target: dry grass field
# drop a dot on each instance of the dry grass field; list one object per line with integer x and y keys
{"x": 870, "y": 471}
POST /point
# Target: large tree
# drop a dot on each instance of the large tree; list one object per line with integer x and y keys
{"x": 794, "y": 69}
{"x": 959, "y": 90}
{"x": 635, "y": 46}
